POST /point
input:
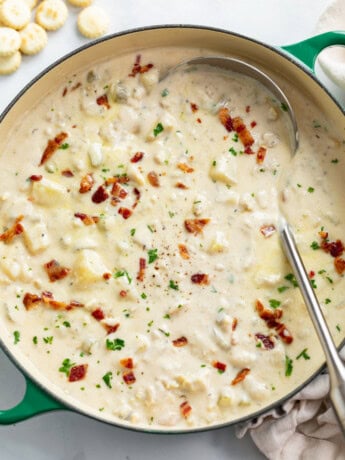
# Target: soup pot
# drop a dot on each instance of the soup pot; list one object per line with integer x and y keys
{"x": 295, "y": 62}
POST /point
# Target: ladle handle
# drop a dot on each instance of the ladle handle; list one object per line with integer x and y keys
{"x": 335, "y": 366}
{"x": 308, "y": 50}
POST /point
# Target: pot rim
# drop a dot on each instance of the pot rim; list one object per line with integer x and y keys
{"x": 66, "y": 405}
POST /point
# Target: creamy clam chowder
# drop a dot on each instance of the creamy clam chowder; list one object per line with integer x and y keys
{"x": 140, "y": 265}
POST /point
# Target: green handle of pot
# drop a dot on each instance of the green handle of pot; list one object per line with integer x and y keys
{"x": 308, "y": 50}
{"x": 34, "y": 402}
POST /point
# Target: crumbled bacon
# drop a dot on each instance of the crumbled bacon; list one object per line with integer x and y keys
{"x": 195, "y": 225}
{"x": 111, "y": 328}
{"x": 142, "y": 267}
{"x": 253, "y": 124}
{"x": 266, "y": 340}
{"x": 67, "y": 173}
{"x": 243, "y": 133}
{"x": 234, "y": 324}
{"x": 76, "y": 86}
{"x": 185, "y": 409}
{"x": 64, "y": 92}
{"x": 98, "y": 314}
{"x": 137, "y": 197}
{"x": 31, "y": 300}
{"x": 267, "y": 230}
{"x": 123, "y": 293}
{"x": 100, "y": 195}
{"x": 125, "y": 212}
{"x": 260, "y": 155}
{"x": 339, "y": 265}
{"x": 55, "y": 271}
{"x": 106, "y": 276}
{"x": 120, "y": 179}
{"x": 200, "y": 278}
{"x": 138, "y": 68}
{"x": 86, "y": 219}
{"x": 185, "y": 168}
{"x": 138, "y": 156}
{"x": 52, "y": 146}
{"x": 335, "y": 248}
{"x": 77, "y": 373}
{"x": 118, "y": 191}
{"x": 323, "y": 234}
{"x": 127, "y": 362}
{"x": 271, "y": 318}
{"x": 311, "y": 274}
{"x": 86, "y": 183}
{"x": 129, "y": 377}
{"x": 240, "y": 376}
{"x": 247, "y": 108}
{"x": 181, "y": 186}
{"x": 103, "y": 100}
{"x": 194, "y": 107}
{"x": 225, "y": 118}
{"x": 180, "y": 342}
{"x": 183, "y": 251}
{"x": 35, "y": 178}
{"x": 220, "y": 366}
{"x": 13, "y": 231}
{"x": 153, "y": 179}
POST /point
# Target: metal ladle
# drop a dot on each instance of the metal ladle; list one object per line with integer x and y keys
{"x": 335, "y": 365}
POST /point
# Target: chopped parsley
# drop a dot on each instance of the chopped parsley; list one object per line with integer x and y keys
{"x": 132, "y": 232}
{"x": 152, "y": 253}
{"x": 48, "y": 340}
{"x": 173, "y": 285}
{"x": 313, "y": 283}
{"x": 66, "y": 366}
{"x": 214, "y": 163}
{"x": 335, "y": 161}
{"x": 291, "y": 277}
{"x": 66, "y": 324}
{"x": 16, "y": 336}
{"x": 167, "y": 334}
{"x": 158, "y": 129}
{"x": 116, "y": 344}
{"x": 233, "y": 151}
{"x": 303, "y": 354}
{"x": 338, "y": 328}
{"x": 107, "y": 379}
{"x": 235, "y": 138}
{"x": 120, "y": 273}
{"x": 274, "y": 303}
{"x": 165, "y": 92}
{"x": 64, "y": 146}
{"x": 315, "y": 245}
{"x": 143, "y": 295}
{"x": 284, "y": 107}
{"x": 288, "y": 366}
{"x": 35, "y": 340}
{"x": 282, "y": 288}
{"x": 150, "y": 228}
{"x": 310, "y": 189}
{"x": 327, "y": 301}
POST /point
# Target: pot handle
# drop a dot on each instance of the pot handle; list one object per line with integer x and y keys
{"x": 34, "y": 402}
{"x": 308, "y": 50}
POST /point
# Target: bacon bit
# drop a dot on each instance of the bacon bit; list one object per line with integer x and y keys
{"x": 125, "y": 212}
{"x": 142, "y": 267}
{"x": 67, "y": 173}
{"x": 153, "y": 179}
{"x": 137, "y": 197}
{"x": 77, "y": 372}
{"x": 240, "y": 376}
{"x": 52, "y": 146}
{"x": 76, "y": 86}
{"x": 311, "y": 274}
{"x": 86, "y": 219}
{"x": 199, "y": 120}
{"x": 339, "y": 265}
{"x": 55, "y": 271}
{"x": 123, "y": 293}
{"x": 180, "y": 342}
{"x": 64, "y": 92}
{"x": 110, "y": 329}
{"x": 35, "y": 178}
{"x": 137, "y": 157}
{"x": 118, "y": 191}
{"x": 253, "y": 124}
{"x": 185, "y": 409}
{"x": 243, "y": 133}
{"x": 138, "y": 68}
{"x": 98, "y": 314}
{"x": 106, "y": 276}
{"x": 234, "y": 324}
{"x": 195, "y": 225}
{"x": 271, "y": 318}
{"x": 200, "y": 278}
{"x": 127, "y": 362}
{"x": 248, "y": 151}
{"x": 121, "y": 180}
{"x": 181, "y": 185}
{"x": 260, "y": 155}
{"x": 185, "y": 168}
{"x": 323, "y": 235}
{"x": 13, "y": 231}
{"x": 267, "y": 342}
{"x": 86, "y": 183}
{"x": 225, "y": 118}
{"x": 129, "y": 377}
{"x": 335, "y": 248}
{"x": 220, "y": 366}
{"x": 31, "y": 300}
{"x": 183, "y": 251}
{"x": 247, "y": 108}
{"x": 267, "y": 230}
{"x": 103, "y": 100}
{"x": 194, "y": 107}
{"x": 100, "y": 195}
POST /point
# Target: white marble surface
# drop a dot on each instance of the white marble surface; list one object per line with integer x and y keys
{"x": 69, "y": 436}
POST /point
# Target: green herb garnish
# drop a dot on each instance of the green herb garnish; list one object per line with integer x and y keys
{"x": 173, "y": 285}
{"x": 303, "y": 354}
{"x": 158, "y": 129}
{"x": 274, "y": 303}
{"x": 315, "y": 245}
{"x": 288, "y": 366}
{"x": 116, "y": 344}
{"x": 66, "y": 366}
{"x": 152, "y": 253}
{"x": 16, "y": 336}
{"x": 107, "y": 379}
